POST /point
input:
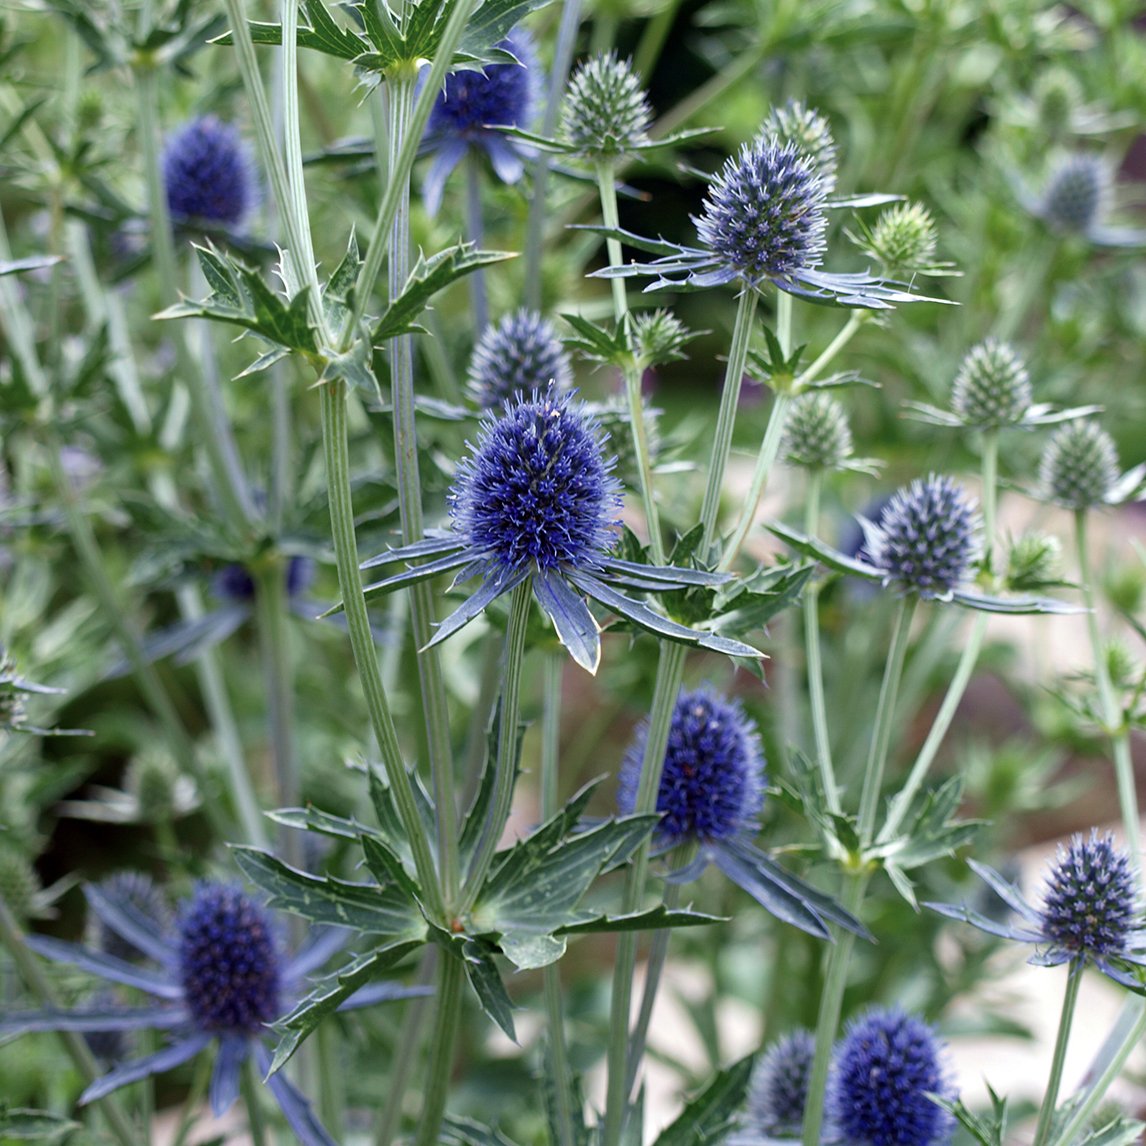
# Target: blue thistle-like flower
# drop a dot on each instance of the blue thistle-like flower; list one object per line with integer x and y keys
{"x": 1077, "y": 194}
{"x": 1089, "y": 912}
{"x": 927, "y": 537}
{"x": 220, "y": 978}
{"x": 885, "y": 1067}
{"x": 764, "y": 214}
{"x": 778, "y": 1090}
{"x": 470, "y": 108}
{"x": 522, "y": 353}
{"x": 234, "y": 582}
{"x": 208, "y": 174}
{"x": 712, "y": 786}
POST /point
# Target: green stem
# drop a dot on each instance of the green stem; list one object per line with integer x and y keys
{"x": 505, "y": 769}
{"x": 670, "y": 671}
{"x": 990, "y": 496}
{"x": 1050, "y": 1099}
{"x": 846, "y": 334}
{"x": 446, "y": 1022}
{"x": 811, "y": 609}
{"x": 784, "y": 322}
{"x": 250, "y": 1084}
{"x": 336, "y": 452}
{"x": 292, "y": 142}
{"x": 192, "y": 1107}
{"x": 653, "y": 39}
{"x": 77, "y": 1050}
{"x": 1117, "y": 727}
{"x": 558, "y": 1064}
{"x": 475, "y": 228}
{"x": 709, "y": 92}
{"x": 726, "y": 419}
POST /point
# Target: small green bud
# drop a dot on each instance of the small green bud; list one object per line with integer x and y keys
{"x": 809, "y": 131}
{"x": 606, "y": 110}
{"x": 903, "y": 239}
{"x": 658, "y": 337}
{"x": 152, "y": 778}
{"x": 1079, "y": 466}
{"x": 1057, "y": 95}
{"x": 19, "y": 883}
{"x": 817, "y": 434}
{"x": 1034, "y": 561}
{"x": 1122, "y": 670}
{"x": 992, "y": 387}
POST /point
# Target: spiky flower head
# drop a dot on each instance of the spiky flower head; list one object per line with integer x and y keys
{"x": 500, "y": 95}
{"x": 208, "y": 174}
{"x": 1057, "y": 95}
{"x": 778, "y": 1090}
{"x": 606, "y": 111}
{"x": 152, "y": 778}
{"x": 712, "y": 786}
{"x": 537, "y": 490}
{"x": 816, "y": 433}
{"x": 809, "y": 131}
{"x": 927, "y": 536}
{"x": 992, "y": 387}
{"x": 658, "y": 336}
{"x": 1033, "y": 562}
{"x": 1077, "y": 194}
{"x": 1079, "y": 466}
{"x": 764, "y": 213}
{"x": 1088, "y": 905}
{"x": 229, "y": 964}
{"x": 885, "y": 1067}
{"x": 19, "y": 883}
{"x": 145, "y": 897}
{"x": 520, "y": 354}
{"x": 902, "y": 240}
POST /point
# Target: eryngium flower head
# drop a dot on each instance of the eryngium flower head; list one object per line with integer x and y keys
{"x": 810, "y": 133}
{"x": 1088, "y": 905}
{"x": 764, "y": 213}
{"x": 606, "y": 111}
{"x": 992, "y": 387}
{"x": 778, "y": 1090}
{"x": 19, "y": 884}
{"x": 902, "y": 239}
{"x": 816, "y": 433}
{"x": 1079, "y": 466}
{"x": 207, "y": 173}
{"x": 885, "y": 1067}
{"x": 522, "y": 353}
{"x": 1033, "y": 562}
{"x": 228, "y": 962}
{"x": 500, "y": 95}
{"x": 712, "y": 786}
{"x": 537, "y": 491}
{"x": 1077, "y": 194}
{"x": 927, "y": 537}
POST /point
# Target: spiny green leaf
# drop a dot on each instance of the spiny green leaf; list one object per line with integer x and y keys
{"x": 712, "y": 1113}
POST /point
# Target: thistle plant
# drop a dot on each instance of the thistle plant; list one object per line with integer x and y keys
{"x": 208, "y": 174}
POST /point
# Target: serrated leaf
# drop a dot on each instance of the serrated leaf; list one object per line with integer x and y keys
{"x": 488, "y": 986}
{"x": 654, "y": 919}
{"x": 320, "y": 32}
{"x": 25, "y": 1125}
{"x": 314, "y": 820}
{"x": 712, "y": 1113}
{"x": 475, "y": 820}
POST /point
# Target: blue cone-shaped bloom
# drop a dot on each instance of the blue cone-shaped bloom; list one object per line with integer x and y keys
{"x": 520, "y": 354}
{"x": 208, "y": 174}
{"x": 219, "y": 978}
{"x": 778, "y": 1091}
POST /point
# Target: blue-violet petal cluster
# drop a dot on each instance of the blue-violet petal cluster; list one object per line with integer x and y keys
{"x": 778, "y": 1091}
{"x": 207, "y": 173}
{"x": 522, "y": 353}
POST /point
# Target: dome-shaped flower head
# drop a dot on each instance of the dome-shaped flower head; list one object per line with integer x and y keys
{"x": 522, "y": 353}
{"x": 764, "y": 216}
{"x": 778, "y": 1090}
{"x": 1077, "y": 194}
{"x": 472, "y": 105}
{"x": 885, "y": 1067}
{"x": 712, "y": 785}
{"x": 902, "y": 241}
{"x": 208, "y": 174}
{"x": 816, "y": 433}
{"x": 1079, "y": 466}
{"x": 927, "y": 537}
{"x": 810, "y": 132}
{"x": 992, "y": 387}
{"x": 606, "y": 111}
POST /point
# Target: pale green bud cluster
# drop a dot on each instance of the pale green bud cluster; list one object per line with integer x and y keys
{"x": 19, "y": 883}
{"x": 809, "y": 132}
{"x": 817, "y": 434}
{"x": 902, "y": 240}
{"x": 992, "y": 387}
{"x": 1079, "y": 466}
{"x": 1034, "y": 561}
{"x": 606, "y": 112}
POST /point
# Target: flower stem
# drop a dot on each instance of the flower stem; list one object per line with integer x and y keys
{"x": 1050, "y": 1100}
{"x": 990, "y": 496}
{"x": 475, "y": 231}
{"x": 250, "y": 1086}
{"x": 446, "y": 1022}
{"x": 505, "y": 769}
{"x": 77, "y": 1050}
{"x": 1117, "y": 727}
{"x": 846, "y": 334}
{"x": 726, "y": 419}
{"x": 670, "y": 671}
{"x": 336, "y": 452}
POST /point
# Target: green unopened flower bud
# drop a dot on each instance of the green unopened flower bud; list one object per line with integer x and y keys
{"x": 1077, "y": 194}
{"x": 1121, "y": 668}
{"x": 903, "y": 239}
{"x": 1057, "y": 95}
{"x": 658, "y": 336}
{"x": 152, "y": 778}
{"x": 1079, "y": 466}
{"x": 810, "y": 133}
{"x": 606, "y": 110}
{"x": 1034, "y": 561}
{"x": 816, "y": 433}
{"x": 19, "y": 883}
{"x": 992, "y": 387}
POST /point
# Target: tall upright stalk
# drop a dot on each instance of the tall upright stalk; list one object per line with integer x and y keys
{"x": 1050, "y": 1097}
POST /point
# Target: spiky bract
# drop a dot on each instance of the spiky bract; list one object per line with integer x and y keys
{"x": 500, "y": 95}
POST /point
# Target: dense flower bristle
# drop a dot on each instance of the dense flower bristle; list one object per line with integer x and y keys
{"x": 903, "y": 239}
{"x": 712, "y": 786}
{"x": 537, "y": 491}
{"x": 1079, "y": 466}
{"x": 992, "y": 387}
{"x": 778, "y": 1091}
{"x": 522, "y": 353}
{"x": 809, "y": 131}
{"x": 228, "y": 962}
{"x": 207, "y": 173}
{"x": 500, "y": 95}
{"x": 1077, "y": 193}
{"x": 927, "y": 536}
{"x": 885, "y": 1067}
{"x": 816, "y": 433}
{"x": 606, "y": 110}
{"x": 763, "y": 214}
{"x": 1088, "y": 906}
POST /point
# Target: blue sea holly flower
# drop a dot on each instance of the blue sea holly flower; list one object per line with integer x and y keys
{"x": 221, "y": 978}
{"x": 536, "y": 500}
{"x": 778, "y": 1089}
{"x": 885, "y": 1069}
{"x": 710, "y": 795}
{"x": 208, "y": 174}
{"x": 470, "y": 109}
{"x": 1089, "y": 912}
{"x": 522, "y": 353}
